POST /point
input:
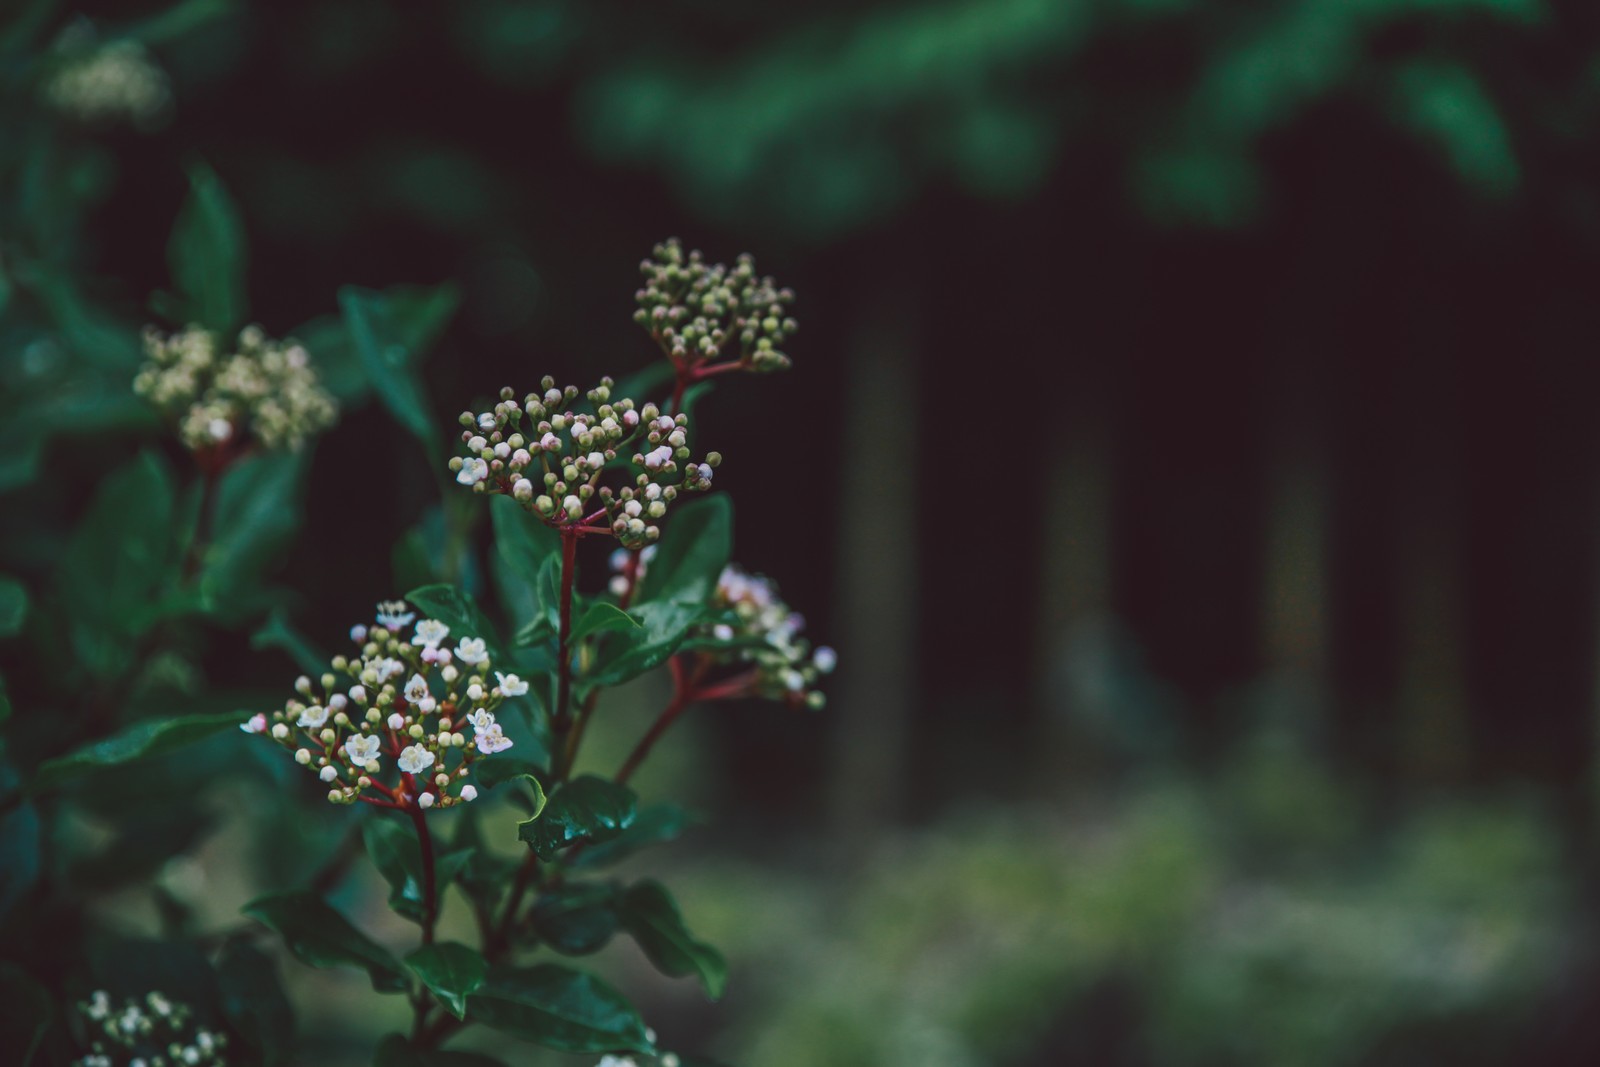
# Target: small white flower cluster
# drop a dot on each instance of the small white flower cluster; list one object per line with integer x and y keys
{"x": 700, "y": 312}
{"x": 150, "y": 1031}
{"x": 109, "y": 82}
{"x": 410, "y": 700}
{"x": 265, "y": 388}
{"x": 551, "y": 459}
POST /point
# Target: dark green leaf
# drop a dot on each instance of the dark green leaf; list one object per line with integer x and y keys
{"x": 13, "y": 606}
{"x": 140, "y": 741}
{"x": 451, "y": 971}
{"x": 19, "y": 848}
{"x": 584, "y": 809}
{"x": 559, "y": 1008}
{"x": 277, "y": 633}
{"x": 523, "y": 545}
{"x": 665, "y": 626}
{"x": 694, "y": 548}
{"x": 652, "y": 826}
{"x": 576, "y": 919}
{"x": 321, "y": 937}
{"x": 493, "y": 772}
{"x": 254, "y": 1001}
{"x": 456, "y": 610}
{"x": 649, "y": 913}
{"x": 393, "y": 849}
{"x": 257, "y": 511}
{"x": 603, "y": 616}
{"x": 29, "y": 1012}
{"x": 125, "y": 554}
{"x": 484, "y": 875}
{"x": 393, "y": 1051}
{"x": 207, "y": 254}
{"x": 334, "y": 357}
{"x": 388, "y": 331}
{"x": 654, "y": 379}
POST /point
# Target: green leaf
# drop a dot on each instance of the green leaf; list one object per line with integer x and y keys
{"x": 13, "y": 606}
{"x": 28, "y": 1015}
{"x": 207, "y": 254}
{"x": 523, "y": 545}
{"x": 584, "y": 809}
{"x": 458, "y": 611}
{"x": 649, "y": 913}
{"x": 576, "y": 919}
{"x": 257, "y": 512}
{"x": 125, "y": 553}
{"x": 277, "y": 633}
{"x": 321, "y": 937}
{"x": 254, "y": 1000}
{"x": 603, "y": 616}
{"x": 654, "y": 825}
{"x": 558, "y": 1008}
{"x": 393, "y": 849}
{"x": 694, "y": 548}
{"x": 393, "y": 1051}
{"x": 665, "y": 626}
{"x": 20, "y": 848}
{"x": 451, "y": 971}
{"x": 139, "y": 741}
{"x": 493, "y": 772}
{"x": 388, "y": 331}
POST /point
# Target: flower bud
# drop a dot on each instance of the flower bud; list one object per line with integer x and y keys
{"x": 279, "y": 731}
{"x": 302, "y": 756}
{"x": 425, "y": 800}
{"x": 522, "y": 490}
{"x": 397, "y": 721}
{"x": 416, "y": 730}
{"x": 329, "y": 773}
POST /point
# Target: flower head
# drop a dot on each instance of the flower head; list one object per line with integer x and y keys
{"x": 491, "y": 739}
{"x": 472, "y": 650}
{"x": 393, "y": 616}
{"x": 510, "y": 685}
{"x": 429, "y": 633}
{"x": 362, "y": 749}
{"x": 415, "y": 758}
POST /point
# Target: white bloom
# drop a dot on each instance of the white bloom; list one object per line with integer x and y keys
{"x": 510, "y": 685}
{"x": 722, "y": 632}
{"x": 279, "y": 731}
{"x": 430, "y": 632}
{"x": 502, "y": 450}
{"x": 328, "y": 773}
{"x": 393, "y": 615}
{"x": 476, "y": 443}
{"x": 425, "y": 800}
{"x": 521, "y": 458}
{"x": 257, "y": 724}
{"x": 658, "y": 458}
{"x": 338, "y": 702}
{"x": 417, "y": 688}
{"x": 469, "y": 792}
{"x": 522, "y": 489}
{"x": 572, "y": 506}
{"x": 491, "y": 739}
{"x": 481, "y": 719}
{"x": 632, "y": 509}
{"x": 617, "y": 1061}
{"x": 472, "y": 471}
{"x": 397, "y": 721}
{"x": 415, "y": 759}
{"x": 793, "y": 680}
{"x": 313, "y": 717}
{"x": 630, "y": 418}
{"x": 472, "y": 650}
{"x": 474, "y": 691}
{"x": 825, "y": 659}
{"x": 387, "y": 668}
{"x": 486, "y": 422}
{"x": 361, "y": 749}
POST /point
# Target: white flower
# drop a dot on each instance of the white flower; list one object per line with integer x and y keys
{"x": 617, "y": 1061}
{"x": 328, "y": 773}
{"x": 475, "y": 443}
{"x": 430, "y": 632}
{"x": 393, "y": 615}
{"x": 313, "y": 717}
{"x": 361, "y": 749}
{"x": 474, "y": 691}
{"x": 722, "y": 632}
{"x": 481, "y": 720}
{"x": 472, "y": 650}
{"x": 486, "y": 422}
{"x": 825, "y": 659}
{"x": 472, "y": 471}
{"x": 502, "y": 450}
{"x": 469, "y": 793}
{"x": 425, "y": 800}
{"x": 256, "y": 724}
{"x": 415, "y": 759}
{"x": 658, "y": 458}
{"x": 521, "y": 458}
{"x": 510, "y": 685}
{"x": 417, "y": 688}
{"x": 491, "y": 739}
{"x": 386, "y": 668}
{"x": 397, "y": 721}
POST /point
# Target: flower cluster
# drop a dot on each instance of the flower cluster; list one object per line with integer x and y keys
{"x": 406, "y": 699}
{"x": 116, "y": 80}
{"x": 700, "y": 312}
{"x": 267, "y": 389}
{"x": 151, "y": 1031}
{"x": 551, "y": 459}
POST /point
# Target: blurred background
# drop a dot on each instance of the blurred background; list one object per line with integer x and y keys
{"x": 1189, "y": 450}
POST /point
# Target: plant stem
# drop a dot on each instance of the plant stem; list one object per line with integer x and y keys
{"x": 561, "y": 722}
{"x": 430, "y": 896}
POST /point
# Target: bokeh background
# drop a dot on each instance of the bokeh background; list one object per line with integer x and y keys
{"x": 1189, "y": 450}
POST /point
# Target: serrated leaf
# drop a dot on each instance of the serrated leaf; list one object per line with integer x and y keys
{"x": 321, "y": 937}
{"x": 140, "y": 741}
{"x": 207, "y": 254}
{"x": 254, "y": 1000}
{"x": 13, "y": 606}
{"x": 602, "y": 616}
{"x": 559, "y": 1008}
{"x": 394, "y": 1051}
{"x": 451, "y": 972}
{"x": 650, "y": 914}
{"x": 586, "y": 808}
{"x": 388, "y": 330}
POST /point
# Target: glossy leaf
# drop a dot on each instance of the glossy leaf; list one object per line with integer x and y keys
{"x": 393, "y": 848}
{"x": 694, "y": 548}
{"x": 664, "y": 626}
{"x": 457, "y": 610}
{"x": 576, "y": 919}
{"x": 13, "y": 606}
{"x": 254, "y": 1000}
{"x": 602, "y": 616}
{"x": 321, "y": 937}
{"x": 125, "y": 553}
{"x": 654, "y": 825}
{"x": 207, "y": 254}
{"x": 584, "y": 809}
{"x": 650, "y": 914}
{"x": 559, "y": 1008}
{"x": 388, "y": 330}
{"x": 522, "y": 546}
{"x": 451, "y": 972}
{"x": 140, "y": 741}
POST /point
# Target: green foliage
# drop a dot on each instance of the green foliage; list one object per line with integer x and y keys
{"x": 141, "y": 741}
{"x": 208, "y": 256}
{"x": 587, "y": 809}
{"x": 395, "y": 851}
{"x": 321, "y": 937}
{"x": 13, "y": 606}
{"x": 254, "y": 1000}
{"x": 451, "y": 971}
{"x": 650, "y": 914}
{"x": 559, "y": 1008}
{"x": 388, "y": 331}
{"x": 395, "y": 1051}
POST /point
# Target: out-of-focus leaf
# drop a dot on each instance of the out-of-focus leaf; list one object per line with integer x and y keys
{"x": 576, "y": 919}
{"x": 694, "y": 548}
{"x": 558, "y": 1008}
{"x": 451, "y": 972}
{"x": 650, "y": 914}
{"x": 321, "y": 937}
{"x": 394, "y": 1051}
{"x": 523, "y": 545}
{"x": 277, "y": 633}
{"x": 458, "y": 611}
{"x": 393, "y": 848}
{"x": 140, "y": 741}
{"x": 30, "y": 1011}
{"x": 19, "y": 846}
{"x": 586, "y": 808}
{"x": 257, "y": 511}
{"x": 126, "y": 552}
{"x": 602, "y": 616}
{"x": 388, "y": 330}
{"x": 13, "y": 606}
{"x": 254, "y": 1000}
{"x": 207, "y": 254}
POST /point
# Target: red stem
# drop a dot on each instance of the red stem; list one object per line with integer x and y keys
{"x": 430, "y": 896}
